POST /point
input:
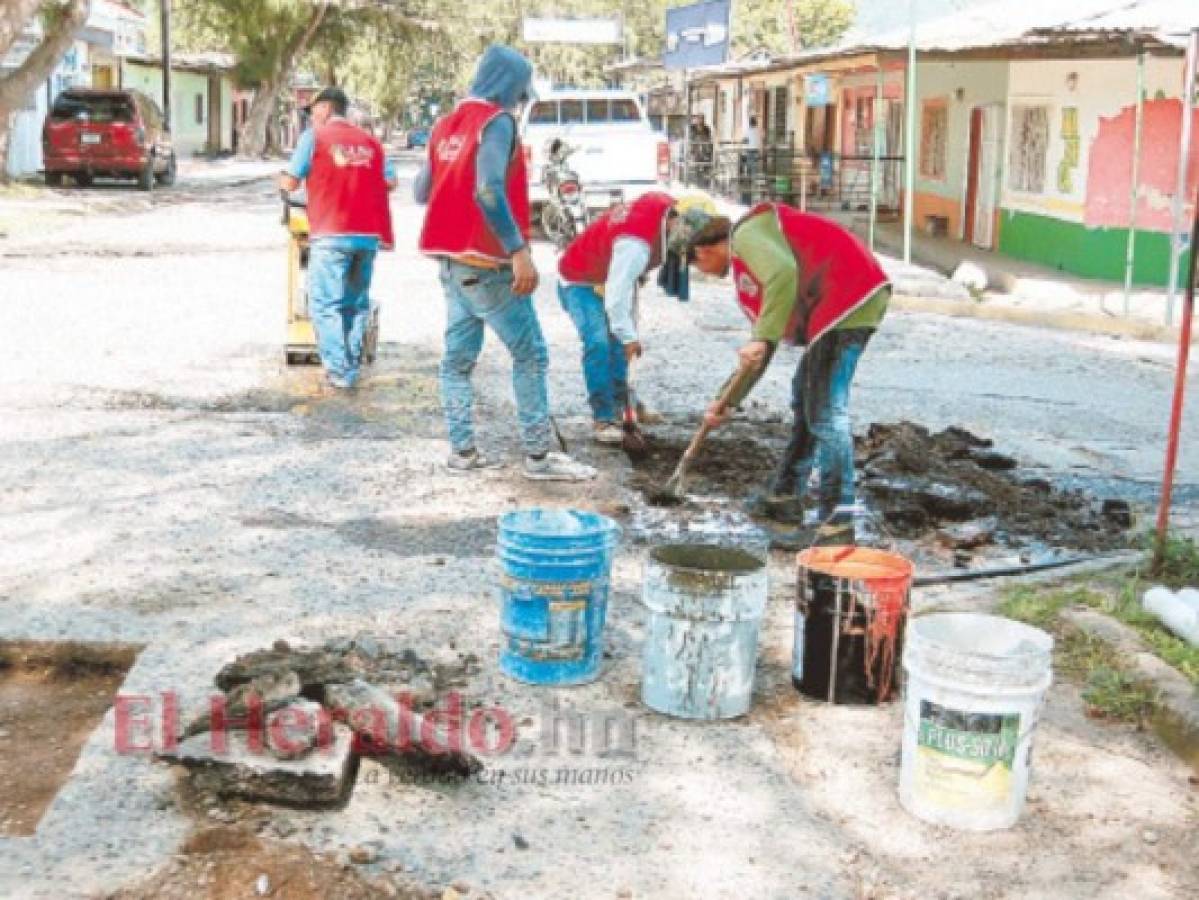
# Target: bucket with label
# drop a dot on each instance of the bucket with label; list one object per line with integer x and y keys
{"x": 705, "y": 604}
{"x": 974, "y": 690}
{"x": 851, "y": 609}
{"x": 553, "y": 591}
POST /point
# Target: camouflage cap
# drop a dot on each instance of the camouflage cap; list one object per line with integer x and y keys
{"x": 692, "y": 225}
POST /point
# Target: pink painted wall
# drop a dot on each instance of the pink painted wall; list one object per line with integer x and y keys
{"x": 1110, "y": 169}
{"x": 849, "y": 105}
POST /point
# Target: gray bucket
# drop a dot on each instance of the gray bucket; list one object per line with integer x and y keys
{"x": 705, "y": 604}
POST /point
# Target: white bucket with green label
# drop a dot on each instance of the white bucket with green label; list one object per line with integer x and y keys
{"x": 974, "y": 690}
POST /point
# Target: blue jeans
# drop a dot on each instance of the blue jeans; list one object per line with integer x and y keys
{"x": 605, "y": 370}
{"x": 821, "y": 436}
{"x": 474, "y": 298}
{"x": 339, "y": 281}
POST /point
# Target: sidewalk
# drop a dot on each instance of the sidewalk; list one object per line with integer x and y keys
{"x": 1018, "y": 292}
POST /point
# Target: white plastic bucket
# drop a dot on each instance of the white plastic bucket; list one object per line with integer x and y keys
{"x": 974, "y": 690}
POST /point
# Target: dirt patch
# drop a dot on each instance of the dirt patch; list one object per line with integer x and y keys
{"x": 52, "y": 696}
{"x": 952, "y": 488}
{"x": 233, "y": 864}
{"x": 736, "y": 462}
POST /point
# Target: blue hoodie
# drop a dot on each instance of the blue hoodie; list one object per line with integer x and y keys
{"x": 503, "y": 77}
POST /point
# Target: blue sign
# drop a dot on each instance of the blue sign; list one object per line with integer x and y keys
{"x": 816, "y": 90}
{"x": 697, "y": 35}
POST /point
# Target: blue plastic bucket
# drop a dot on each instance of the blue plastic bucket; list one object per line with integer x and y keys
{"x": 553, "y": 592}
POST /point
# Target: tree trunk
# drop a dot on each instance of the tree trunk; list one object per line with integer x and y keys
{"x": 255, "y": 138}
{"x": 14, "y": 16}
{"x": 16, "y": 88}
{"x": 252, "y": 141}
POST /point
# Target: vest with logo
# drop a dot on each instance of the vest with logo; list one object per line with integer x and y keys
{"x": 837, "y": 273}
{"x": 589, "y": 256}
{"x": 454, "y": 223}
{"x": 347, "y": 188}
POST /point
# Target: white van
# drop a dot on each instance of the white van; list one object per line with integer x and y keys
{"x": 619, "y": 156}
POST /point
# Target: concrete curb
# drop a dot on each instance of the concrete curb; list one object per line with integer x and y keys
{"x": 1062, "y": 321}
{"x": 1177, "y": 697}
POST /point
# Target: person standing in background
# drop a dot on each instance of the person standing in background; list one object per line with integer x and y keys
{"x": 347, "y": 177}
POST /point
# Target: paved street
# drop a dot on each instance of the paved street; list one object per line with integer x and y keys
{"x": 167, "y": 481}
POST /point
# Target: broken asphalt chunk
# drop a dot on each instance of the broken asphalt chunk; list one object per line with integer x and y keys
{"x": 385, "y": 727}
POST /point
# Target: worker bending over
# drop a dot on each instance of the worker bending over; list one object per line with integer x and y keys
{"x": 597, "y": 285}
{"x": 805, "y": 280}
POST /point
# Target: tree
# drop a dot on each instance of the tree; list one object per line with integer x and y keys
{"x": 61, "y": 20}
{"x": 788, "y": 26}
{"x": 267, "y": 37}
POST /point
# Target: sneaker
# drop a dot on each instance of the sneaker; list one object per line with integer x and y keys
{"x": 557, "y": 467}
{"x": 338, "y": 383}
{"x": 607, "y": 433}
{"x": 470, "y": 461}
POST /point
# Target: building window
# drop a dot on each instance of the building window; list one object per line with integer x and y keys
{"x": 934, "y": 139}
{"x": 199, "y": 109}
{"x": 780, "y": 114}
{"x": 1029, "y": 146}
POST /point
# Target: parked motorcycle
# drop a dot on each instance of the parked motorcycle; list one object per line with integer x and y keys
{"x": 564, "y": 214}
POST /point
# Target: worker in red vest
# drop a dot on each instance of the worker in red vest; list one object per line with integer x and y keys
{"x": 347, "y": 178}
{"x": 803, "y": 279}
{"x": 477, "y": 225}
{"x": 597, "y": 284}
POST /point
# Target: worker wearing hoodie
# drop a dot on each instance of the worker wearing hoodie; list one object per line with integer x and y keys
{"x": 477, "y": 225}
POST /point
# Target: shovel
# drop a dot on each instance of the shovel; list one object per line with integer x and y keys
{"x": 672, "y": 491}
{"x": 633, "y": 443}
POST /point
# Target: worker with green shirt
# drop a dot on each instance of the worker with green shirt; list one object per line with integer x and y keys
{"x": 805, "y": 280}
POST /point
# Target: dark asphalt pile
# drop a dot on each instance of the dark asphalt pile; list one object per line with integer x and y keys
{"x": 950, "y": 488}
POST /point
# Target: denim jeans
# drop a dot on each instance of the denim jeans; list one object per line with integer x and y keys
{"x": 474, "y": 298}
{"x": 821, "y": 436}
{"x": 604, "y": 368}
{"x": 339, "y": 281}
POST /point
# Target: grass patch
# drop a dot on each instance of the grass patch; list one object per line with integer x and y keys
{"x": 1179, "y": 564}
{"x": 1110, "y": 689}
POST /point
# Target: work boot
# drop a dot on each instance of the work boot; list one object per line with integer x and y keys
{"x": 786, "y": 509}
{"x": 557, "y": 467}
{"x": 607, "y": 433}
{"x": 838, "y": 528}
{"x": 461, "y": 463}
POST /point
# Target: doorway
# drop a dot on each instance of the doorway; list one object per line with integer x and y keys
{"x": 982, "y": 177}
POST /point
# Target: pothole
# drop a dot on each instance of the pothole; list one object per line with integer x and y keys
{"x": 52, "y": 697}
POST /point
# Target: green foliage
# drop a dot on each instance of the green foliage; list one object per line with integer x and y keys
{"x": 256, "y": 32}
{"x": 788, "y": 26}
{"x": 1179, "y": 563}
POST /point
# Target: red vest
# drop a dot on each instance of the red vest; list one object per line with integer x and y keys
{"x": 837, "y": 273}
{"x": 347, "y": 190}
{"x": 454, "y": 223}
{"x": 588, "y": 257}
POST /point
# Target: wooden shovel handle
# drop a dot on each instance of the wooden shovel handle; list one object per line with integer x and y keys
{"x": 743, "y": 374}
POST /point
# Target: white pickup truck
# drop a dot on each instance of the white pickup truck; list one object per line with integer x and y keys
{"x": 619, "y": 156}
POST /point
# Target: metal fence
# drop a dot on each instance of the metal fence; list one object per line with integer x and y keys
{"x": 817, "y": 182}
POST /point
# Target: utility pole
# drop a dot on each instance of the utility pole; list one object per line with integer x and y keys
{"x": 164, "y": 8}
{"x": 1177, "y": 237}
{"x": 909, "y": 200}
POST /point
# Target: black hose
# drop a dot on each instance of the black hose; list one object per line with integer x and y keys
{"x": 1001, "y": 571}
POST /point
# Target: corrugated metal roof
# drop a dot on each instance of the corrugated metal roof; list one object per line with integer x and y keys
{"x": 1006, "y": 24}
